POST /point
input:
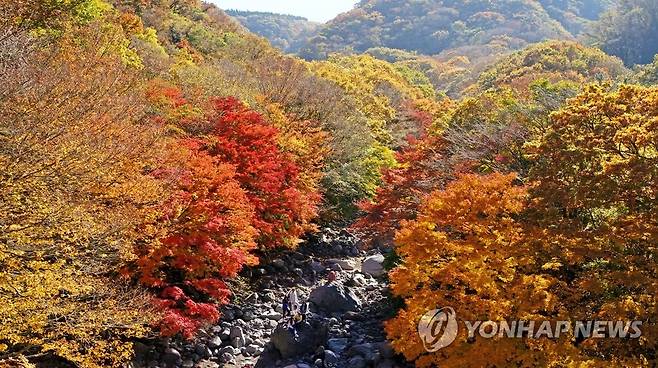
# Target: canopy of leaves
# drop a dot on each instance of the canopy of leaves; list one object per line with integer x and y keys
{"x": 628, "y": 31}
{"x": 555, "y": 61}
{"x": 430, "y": 27}
{"x": 577, "y": 243}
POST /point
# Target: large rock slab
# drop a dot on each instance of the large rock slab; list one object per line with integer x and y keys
{"x": 373, "y": 265}
{"x": 335, "y": 298}
{"x": 310, "y": 335}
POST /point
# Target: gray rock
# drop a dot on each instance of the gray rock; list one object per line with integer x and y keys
{"x": 337, "y": 345}
{"x": 273, "y": 315}
{"x": 238, "y": 342}
{"x": 226, "y": 357}
{"x": 228, "y": 315}
{"x": 345, "y": 264}
{"x": 310, "y": 335}
{"x": 215, "y": 342}
{"x": 279, "y": 263}
{"x": 225, "y": 335}
{"x": 357, "y": 362}
{"x": 317, "y": 266}
{"x": 248, "y": 316}
{"x": 331, "y": 359}
{"x": 367, "y": 351}
{"x": 227, "y": 349}
{"x": 253, "y": 349}
{"x": 171, "y": 358}
{"x": 373, "y": 265}
{"x": 335, "y": 298}
{"x": 202, "y": 351}
{"x": 188, "y": 364}
{"x": 236, "y": 331}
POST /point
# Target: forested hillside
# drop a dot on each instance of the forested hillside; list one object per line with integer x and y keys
{"x": 167, "y": 177}
{"x": 430, "y": 27}
{"x": 286, "y": 32}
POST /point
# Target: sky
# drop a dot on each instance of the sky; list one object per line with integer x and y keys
{"x": 318, "y": 11}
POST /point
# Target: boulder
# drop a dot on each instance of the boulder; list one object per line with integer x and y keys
{"x": 171, "y": 358}
{"x": 367, "y": 351}
{"x": 331, "y": 359}
{"x": 335, "y": 298}
{"x": 357, "y": 362}
{"x": 337, "y": 345}
{"x": 373, "y": 265}
{"x": 345, "y": 264}
{"x": 309, "y": 335}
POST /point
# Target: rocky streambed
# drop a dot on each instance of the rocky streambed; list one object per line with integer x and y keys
{"x": 346, "y": 292}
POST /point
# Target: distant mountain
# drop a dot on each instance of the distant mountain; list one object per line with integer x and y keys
{"x": 432, "y": 26}
{"x": 287, "y": 32}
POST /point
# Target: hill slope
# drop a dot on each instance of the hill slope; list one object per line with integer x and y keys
{"x": 432, "y": 26}
{"x": 287, "y": 32}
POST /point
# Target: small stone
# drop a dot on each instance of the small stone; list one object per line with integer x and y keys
{"x": 279, "y": 263}
{"x": 188, "y": 364}
{"x": 228, "y": 315}
{"x": 331, "y": 359}
{"x": 215, "y": 342}
{"x": 252, "y": 349}
{"x": 225, "y": 358}
{"x": 200, "y": 349}
{"x": 274, "y": 315}
{"x": 336, "y": 247}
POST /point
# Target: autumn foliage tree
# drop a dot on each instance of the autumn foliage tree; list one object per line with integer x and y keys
{"x": 208, "y": 238}
{"x": 576, "y": 243}
{"x": 243, "y": 138}
{"x": 74, "y": 158}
